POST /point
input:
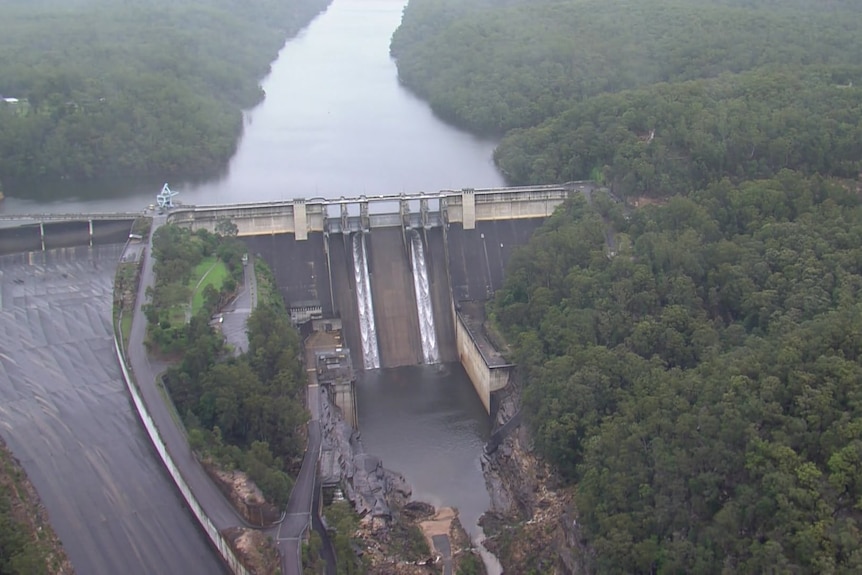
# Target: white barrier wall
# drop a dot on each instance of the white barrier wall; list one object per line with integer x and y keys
{"x": 212, "y": 532}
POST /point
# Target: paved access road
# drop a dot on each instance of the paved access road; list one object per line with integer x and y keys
{"x": 299, "y": 507}
{"x": 235, "y": 315}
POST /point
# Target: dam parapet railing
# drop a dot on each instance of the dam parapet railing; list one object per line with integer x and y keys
{"x": 225, "y": 551}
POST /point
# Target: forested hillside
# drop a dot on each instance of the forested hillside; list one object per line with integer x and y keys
{"x": 693, "y": 369}
{"x": 496, "y": 65}
{"x": 701, "y": 382}
{"x": 111, "y": 89}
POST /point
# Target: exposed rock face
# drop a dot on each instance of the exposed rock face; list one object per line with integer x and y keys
{"x": 244, "y": 495}
{"x": 371, "y": 488}
{"x": 533, "y": 523}
{"x": 510, "y": 476}
{"x": 256, "y": 550}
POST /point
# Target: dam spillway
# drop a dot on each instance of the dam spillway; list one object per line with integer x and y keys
{"x": 424, "y": 306}
{"x": 397, "y": 275}
{"x": 357, "y": 260}
{"x": 410, "y": 289}
{"x": 365, "y": 304}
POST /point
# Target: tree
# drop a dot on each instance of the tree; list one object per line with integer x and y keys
{"x": 226, "y": 228}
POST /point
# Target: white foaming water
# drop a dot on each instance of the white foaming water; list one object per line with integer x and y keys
{"x": 365, "y": 305}
{"x": 424, "y": 308}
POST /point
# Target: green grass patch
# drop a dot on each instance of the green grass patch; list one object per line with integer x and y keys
{"x": 126, "y": 328}
{"x": 211, "y": 271}
{"x": 267, "y": 290}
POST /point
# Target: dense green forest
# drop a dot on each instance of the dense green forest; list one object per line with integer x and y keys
{"x": 692, "y": 368}
{"x": 699, "y": 380}
{"x": 655, "y": 96}
{"x": 673, "y": 138}
{"x": 246, "y": 411}
{"x": 111, "y": 89}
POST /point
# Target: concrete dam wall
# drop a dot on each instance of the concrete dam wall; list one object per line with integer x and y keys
{"x": 322, "y": 274}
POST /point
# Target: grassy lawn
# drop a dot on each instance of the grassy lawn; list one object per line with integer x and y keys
{"x": 126, "y": 328}
{"x": 211, "y": 271}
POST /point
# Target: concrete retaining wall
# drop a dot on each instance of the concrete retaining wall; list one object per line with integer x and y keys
{"x": 212, "y": 532}
{"x": 485, "y": 378}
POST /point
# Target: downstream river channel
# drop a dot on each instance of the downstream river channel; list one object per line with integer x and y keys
{"x": 336, "y": 122}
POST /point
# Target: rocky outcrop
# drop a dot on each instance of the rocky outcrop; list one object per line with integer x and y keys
{"x": 371, "y": 488}
{"x": 532, "y": 526}
{"x": 245, "y": 496}
{"x": 256, "y": 549}
{"x": 510, "y": 477}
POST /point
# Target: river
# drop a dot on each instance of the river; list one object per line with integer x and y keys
{"x": 336, "y": 122}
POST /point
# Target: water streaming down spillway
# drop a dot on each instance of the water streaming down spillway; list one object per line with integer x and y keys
{"x": 427, "y": 333}
{"x": 365, "y": 305}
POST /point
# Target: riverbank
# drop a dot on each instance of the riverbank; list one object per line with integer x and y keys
{"x": 395, "y": 535}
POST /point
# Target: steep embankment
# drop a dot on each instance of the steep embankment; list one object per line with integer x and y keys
{"x": 120, "y": 90}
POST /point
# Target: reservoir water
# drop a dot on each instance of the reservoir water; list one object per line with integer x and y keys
{"x": 336, "y": 122}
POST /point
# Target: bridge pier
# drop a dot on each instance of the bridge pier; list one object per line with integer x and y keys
{"x": 405, "y": 225}
{"x": 423, "y": 212}
{"x": 42, "y": 234}
{"x": 364, "y": 220}
{"x": 468, "y": 205}
{"x": 90, "y": 222}
{"x": 345, "y": 219}
{"x": 300, "y": 219}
